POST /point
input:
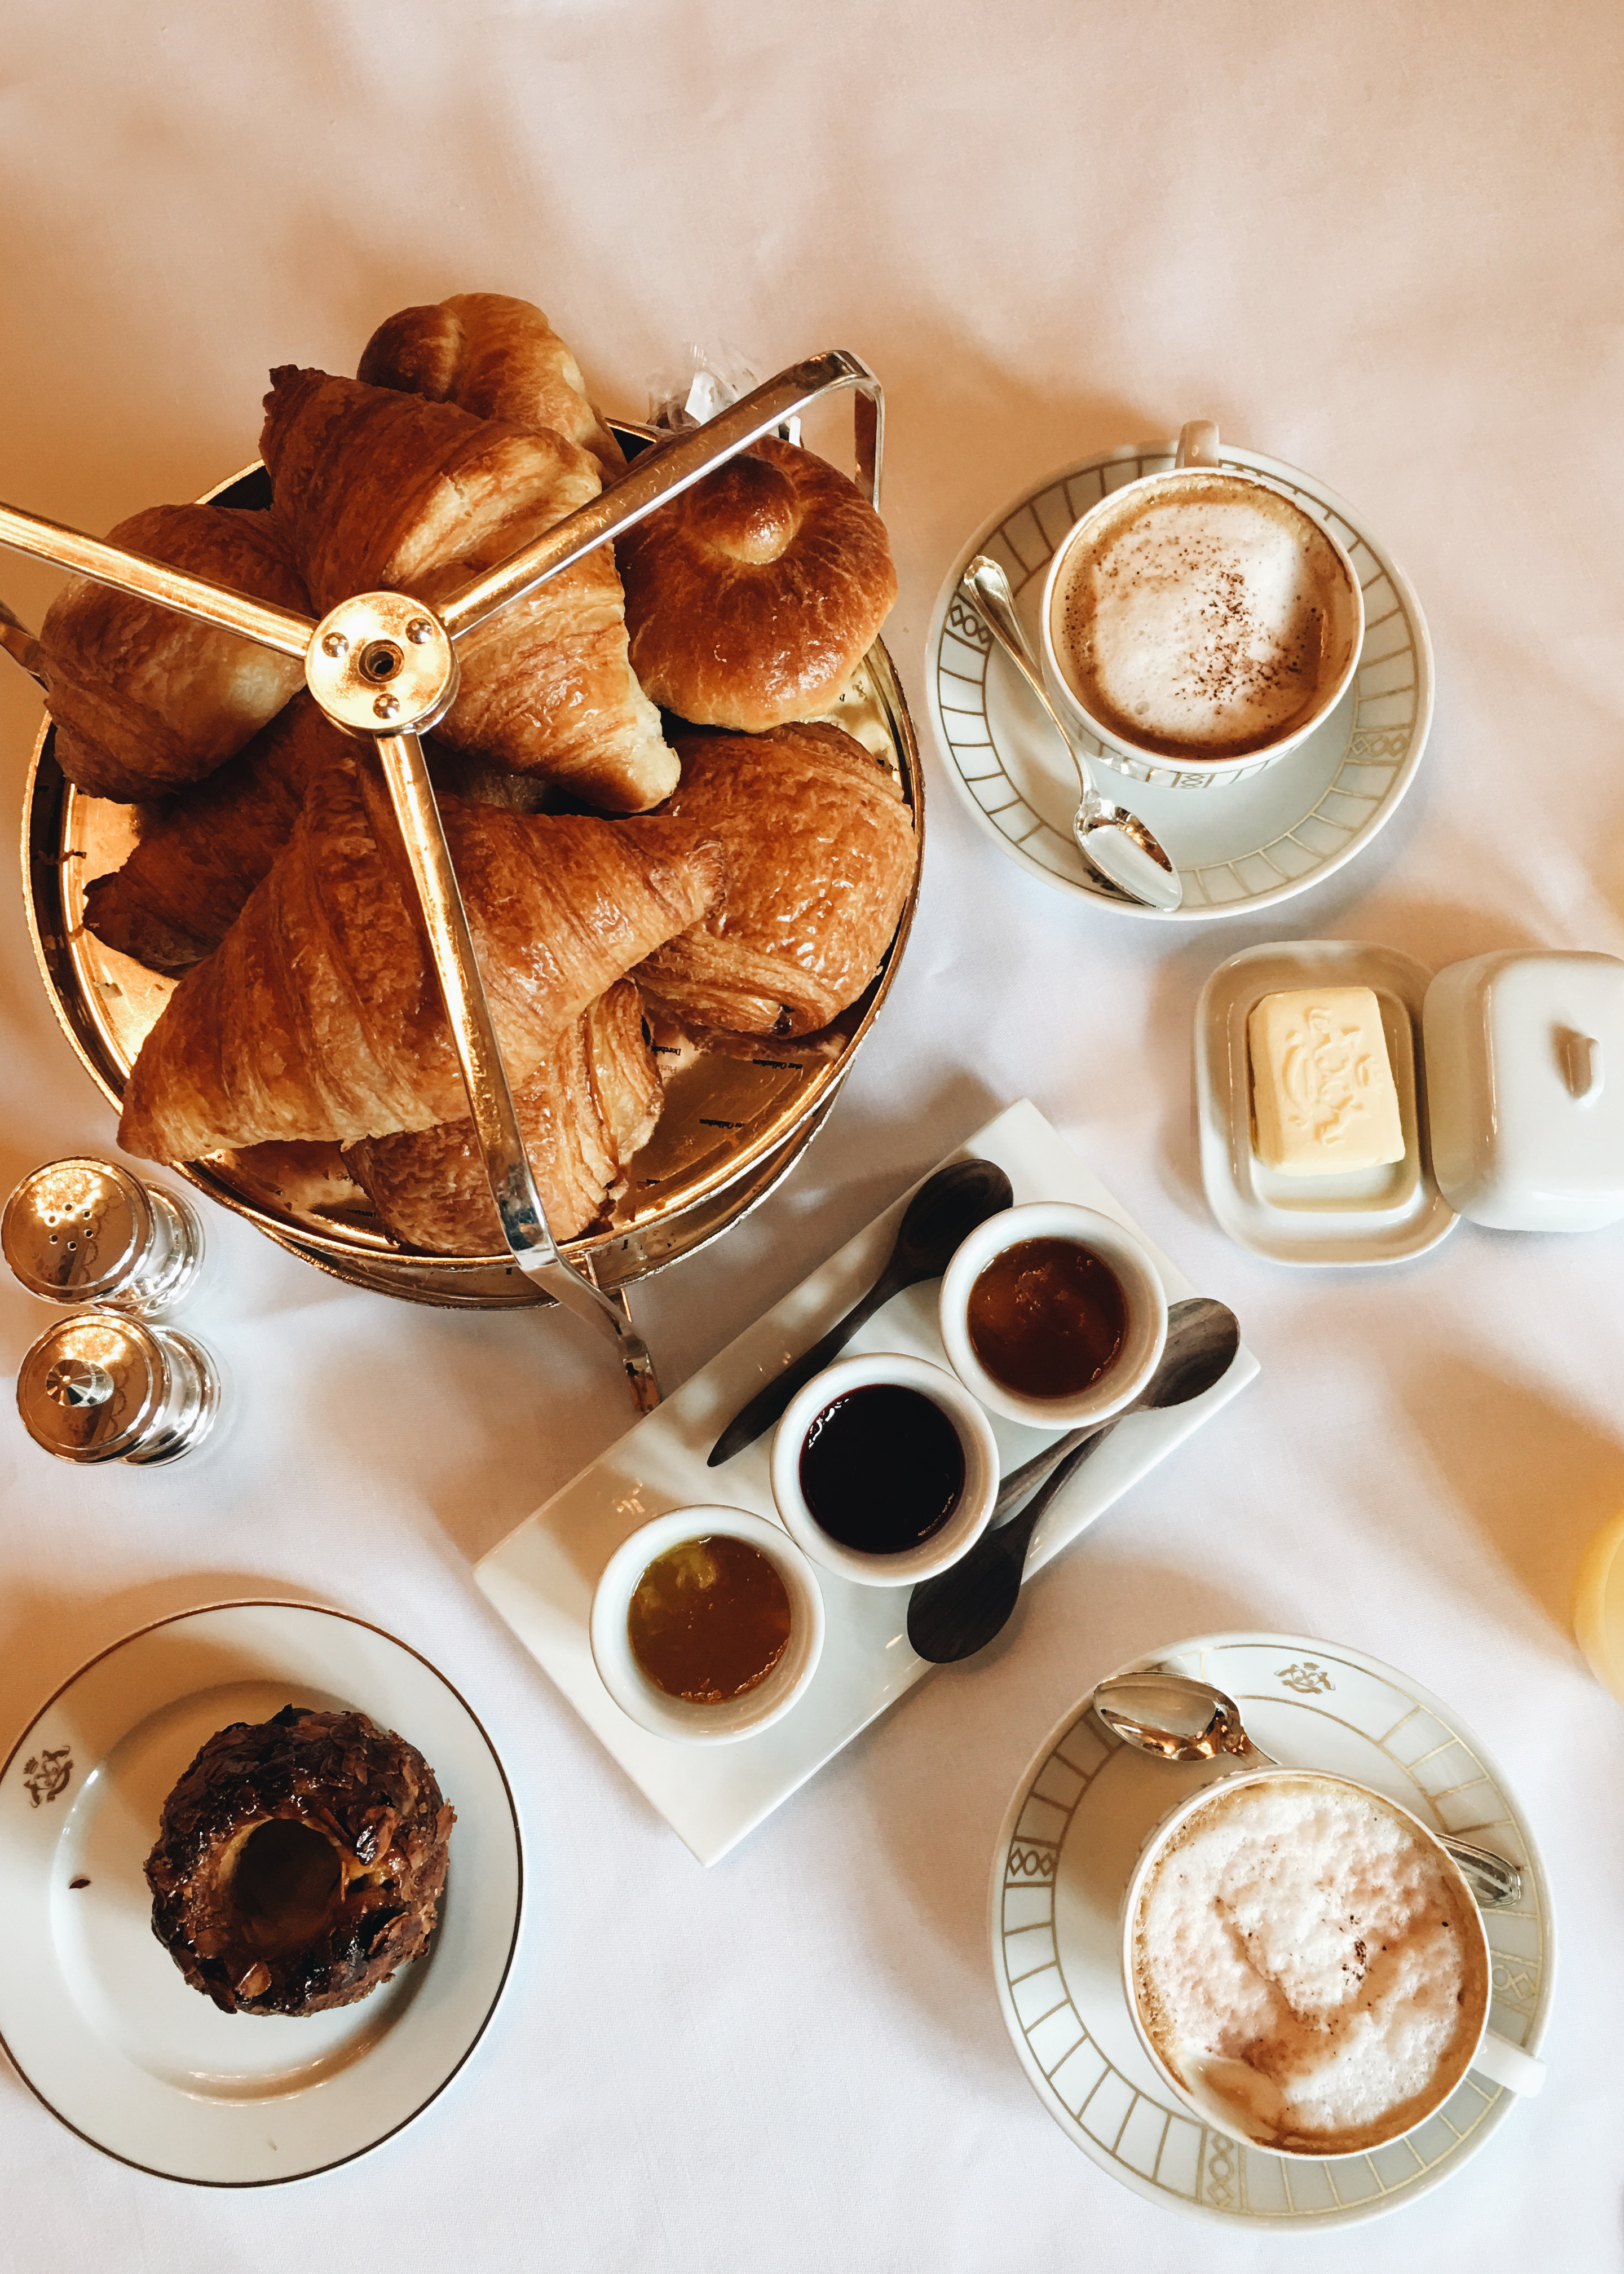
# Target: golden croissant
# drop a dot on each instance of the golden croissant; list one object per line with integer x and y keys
{"x": 200, "y": 855}
{"x": 820, "y": 852}
{"x": 319, "y": 1016}
{"x": 143, "y": 698}
{"x": 201, "y": 852}
{"x": 379, "y": 489}
{"x": 582, "y": 1114}
{"x": 496, "y": 357}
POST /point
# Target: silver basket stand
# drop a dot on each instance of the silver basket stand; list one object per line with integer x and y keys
{"x": 384, "y": 667}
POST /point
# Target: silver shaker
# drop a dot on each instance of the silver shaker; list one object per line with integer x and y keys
{"x": 85, "y": 1231}
{"x": 101, "y": 1386}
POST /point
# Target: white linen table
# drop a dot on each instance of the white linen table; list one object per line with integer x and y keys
{"x": 1383, "y": 244}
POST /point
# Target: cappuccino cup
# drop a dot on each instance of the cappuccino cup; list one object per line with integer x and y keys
{"x": 1306, "y": 1967}
{"x": 1199, "y": 623}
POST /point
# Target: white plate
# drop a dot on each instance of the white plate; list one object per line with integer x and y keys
{"x": 1066, "y": 1852}
{"x": 1383, "y": 1215}
{"x": 542, "y": 1576}
{"x": 1239, "y": 848}
{"x": 95, "y": 2013}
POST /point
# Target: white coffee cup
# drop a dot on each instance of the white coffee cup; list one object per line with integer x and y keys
{"x": 1492, "y": 2056}
{"x": 1197, "y": 478}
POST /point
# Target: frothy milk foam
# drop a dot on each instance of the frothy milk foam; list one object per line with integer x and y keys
{"x": 1302, "y": 1956}
{"x": 1208, "y": 616}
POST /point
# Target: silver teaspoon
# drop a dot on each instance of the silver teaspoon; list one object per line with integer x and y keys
{"x": 1180, "y": 1718}
{"x": 1116, "y": 844}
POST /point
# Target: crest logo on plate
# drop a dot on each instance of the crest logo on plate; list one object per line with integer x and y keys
{"x": 1305, "y": 1676}
{"x": 47, "y": 1774}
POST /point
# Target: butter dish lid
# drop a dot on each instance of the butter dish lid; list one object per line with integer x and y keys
{"x": 1524, "y": 1063}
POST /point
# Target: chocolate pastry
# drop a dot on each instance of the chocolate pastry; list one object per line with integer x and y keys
{"x": 299, "y": 1861}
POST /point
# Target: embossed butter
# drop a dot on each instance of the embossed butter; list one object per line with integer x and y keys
{"x": 1323, "y": 1099}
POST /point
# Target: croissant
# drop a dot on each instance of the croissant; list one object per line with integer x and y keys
{"x": 497, "y": 358}
{"x": 202, "y": 854}
{"x": 202, "y": 851}
{"x": 584, "y": 1111}
{"x": 820, "y": 852}
{"x": 319, "y": 1016}
{"x": 306, "y": 1179}
{"x": 381, "y": 489}
{"x": 752, "y": 597}
{"x": 143, "y": 698}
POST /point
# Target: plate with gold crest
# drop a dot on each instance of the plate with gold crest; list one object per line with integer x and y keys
{"x": 95, "y": 2015}
{"x": 1066, "y": 1851}
{"x": 1240, "y": 847}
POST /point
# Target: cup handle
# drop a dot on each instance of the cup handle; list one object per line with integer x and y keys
{"x": 1506, "y": 2064}
{"x": 1198, "y": 443}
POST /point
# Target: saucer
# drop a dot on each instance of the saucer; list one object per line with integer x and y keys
{"x": 99, "y": 2020}
{"x": 1066, "y": 1852}
{"x": 1240, "y": 847}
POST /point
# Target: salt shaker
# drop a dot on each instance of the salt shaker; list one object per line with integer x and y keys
{"x": 104, "y": 1387}
{"x": 85, "y": 1230}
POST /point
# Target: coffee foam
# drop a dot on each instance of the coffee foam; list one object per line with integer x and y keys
{"x": 1206, "y": 615}
{"x": 1303, "y": 1958}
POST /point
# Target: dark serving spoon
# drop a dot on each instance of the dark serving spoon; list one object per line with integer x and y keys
{"x": 961, "y": 1609}
{"x": 942, "y": 1214}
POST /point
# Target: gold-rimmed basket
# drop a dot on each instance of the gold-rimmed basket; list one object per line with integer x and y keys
{"x": 735, "y": 1119}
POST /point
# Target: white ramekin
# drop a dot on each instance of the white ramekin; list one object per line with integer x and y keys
{"x": 963, "y": 1528}
{"x": 1141, "y": 1286}
{"x": 678, "y": 1716}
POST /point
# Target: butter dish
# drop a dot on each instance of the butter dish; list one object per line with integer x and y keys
{"x": 1510, "y": 1069}
{"x": 1380, "y": 1214}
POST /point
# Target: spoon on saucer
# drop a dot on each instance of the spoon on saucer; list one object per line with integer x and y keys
{"x": 961, "y": 1609}
{"x": 941, "y": 1215}
{"x": 1116, "y": 844}
{"x": 1181, "y": 1719}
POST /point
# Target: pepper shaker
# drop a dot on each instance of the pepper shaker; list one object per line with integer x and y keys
{"x": 101, "y": 1386}
{"x": 85, "y": 1230}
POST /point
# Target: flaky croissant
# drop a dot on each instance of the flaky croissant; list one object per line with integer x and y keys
{"x": 752, "y": 597}
{"x": 820, "y": 852}
{"x": 379, "y": 489}
{"x": 495, "y": 356}
{"x": 202, "y": 851}
{"x": 584, "y": 1111}
{"x": 144, "y": 698}
{"x": 200, "y": 855}
{"x": 320, "y": 1017}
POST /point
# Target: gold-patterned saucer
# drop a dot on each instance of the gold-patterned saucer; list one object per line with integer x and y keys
{"x": 1066, "y": 1851}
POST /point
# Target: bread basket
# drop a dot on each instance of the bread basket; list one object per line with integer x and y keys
{"x": 733, "y": 1124}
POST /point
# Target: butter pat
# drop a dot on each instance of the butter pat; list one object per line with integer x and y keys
{"x": 1323, "y": 1099}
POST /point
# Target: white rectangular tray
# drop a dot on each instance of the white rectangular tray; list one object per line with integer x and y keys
{"x": 541, "y": 1577}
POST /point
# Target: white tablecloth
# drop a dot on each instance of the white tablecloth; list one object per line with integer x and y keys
{"x": 1381, "y": 242}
